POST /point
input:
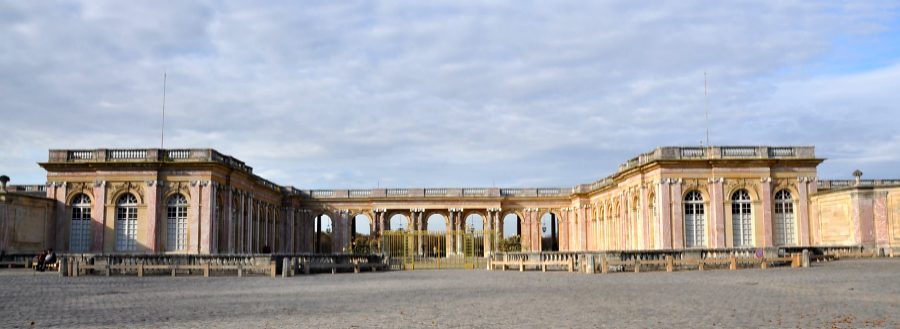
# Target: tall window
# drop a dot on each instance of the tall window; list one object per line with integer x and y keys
{"x": 126, "y": 222}
{"x": 741, "y": 219}
{"x": 80, "y": 236}
{"x": 694, "y": 220}
{"x": 176, "y": 214}
{"x": 784, "y": 219}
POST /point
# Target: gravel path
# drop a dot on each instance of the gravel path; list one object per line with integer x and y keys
{"x": 844, "y": 294}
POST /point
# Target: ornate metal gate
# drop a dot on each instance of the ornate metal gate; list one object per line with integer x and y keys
{"x": 418, "y": 250}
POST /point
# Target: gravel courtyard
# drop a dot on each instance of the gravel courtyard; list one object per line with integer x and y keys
{"x": 844, "y": 294}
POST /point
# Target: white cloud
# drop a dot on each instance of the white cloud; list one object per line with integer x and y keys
{"x": 344, "y": 94}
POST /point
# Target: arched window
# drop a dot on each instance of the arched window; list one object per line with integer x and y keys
{"x": 694, "y": 220}
{"x": 126, "y": 222}
{"x": 176, "y": 228}
{"x": 741, "y": 219}
{"x": 784, "y": 219}
{"x": 80, "y": 235}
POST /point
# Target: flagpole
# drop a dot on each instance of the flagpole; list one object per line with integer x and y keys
{"x": 706, "y": 108}
{"x": 162, "y": 130}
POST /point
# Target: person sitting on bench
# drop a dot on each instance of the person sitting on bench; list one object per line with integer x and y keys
{"x": 39, "y": 260}
{"x": 50, "y": 259}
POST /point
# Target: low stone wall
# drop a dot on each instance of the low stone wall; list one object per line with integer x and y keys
{"x": 672, "y": 260}
{"x": 239, "y": 264}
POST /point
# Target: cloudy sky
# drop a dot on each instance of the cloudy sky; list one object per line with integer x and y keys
{"x": 341, "y": 94}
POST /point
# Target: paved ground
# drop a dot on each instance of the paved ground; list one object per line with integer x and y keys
{"x": 844, "y": 294}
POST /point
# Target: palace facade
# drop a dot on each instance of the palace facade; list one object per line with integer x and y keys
{"x": 199, "y": 201}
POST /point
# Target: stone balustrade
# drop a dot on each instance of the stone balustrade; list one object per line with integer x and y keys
{"x": 155, "y": 155}
{"x": 147, "y": 155}
{"x": 659, "y": 154}
{"x": 432, "y": 193}
{"x": 850, "y": 183}
{"x": 674, "y": 153}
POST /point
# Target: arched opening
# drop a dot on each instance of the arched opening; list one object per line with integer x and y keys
{"x": 126, "y": 222}
{"x": 784, "y": 219}
{"x": 694, "y": 220}
{"x": 474, "y": 223}
{"x": 323, "y": 230}
{"x": 511, "y": 237}
{"x": 80, "y": 231}
{"x": 398, "y": 222}
{"x": 741, "y": 219}
{"x": 473, "y": 242}
{"x": 434, "y": 241}
{"x": 436, "y": 223}
{"x": 361, "y": 236}
{"x": 176, "y": 223}
{"x": 549, "y": 232}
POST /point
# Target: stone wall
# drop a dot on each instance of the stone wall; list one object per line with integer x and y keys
{"x": 26, "y": 223}
{"x": 859, "y": 215}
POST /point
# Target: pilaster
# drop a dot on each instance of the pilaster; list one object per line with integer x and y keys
{"x": 151, "y": 225}
{"x": 765, "y": 188}
{"x": 98, "y": 213}
{"x": 677, "y": 210}
{"x": 717, "y": 222}
{"x": 803, "y": 210}
{"x": 208, "y": 225}
{"x": 194, "y": 235}
{"x": 664, "y": 214}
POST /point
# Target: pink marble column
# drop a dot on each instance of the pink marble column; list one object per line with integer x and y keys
{"x": 290, "y": 231}
{"x": 195, "y": 212}
{"x": 803, "y": 211}
{"x": 591, "y": 230}
{"x": 609, "y": 228}
{"x": 765, "y": 188}
{"x": 811, "y": 237}
{"x": 229, "y": 220}
{"x": 207, "y": 221}
{"x": 536, "y": 231}
{"x": 572, "y": 225}
{"x": 677, "y": 211}
{"x": 243, "y": 228}
{"x": 581, "y": 215}
{"x": 644, "y": 220}
{"x": 98, "y": 214}
{"x": 488, "y": 228}
{"x": 664, "y": 217}
{"x": 152, "y": 219}
{"x": 525, "y": 230}
{"x": 717, "y": 220}
{"x": 622, "y": 224}
{"x": 564, "y": 234}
